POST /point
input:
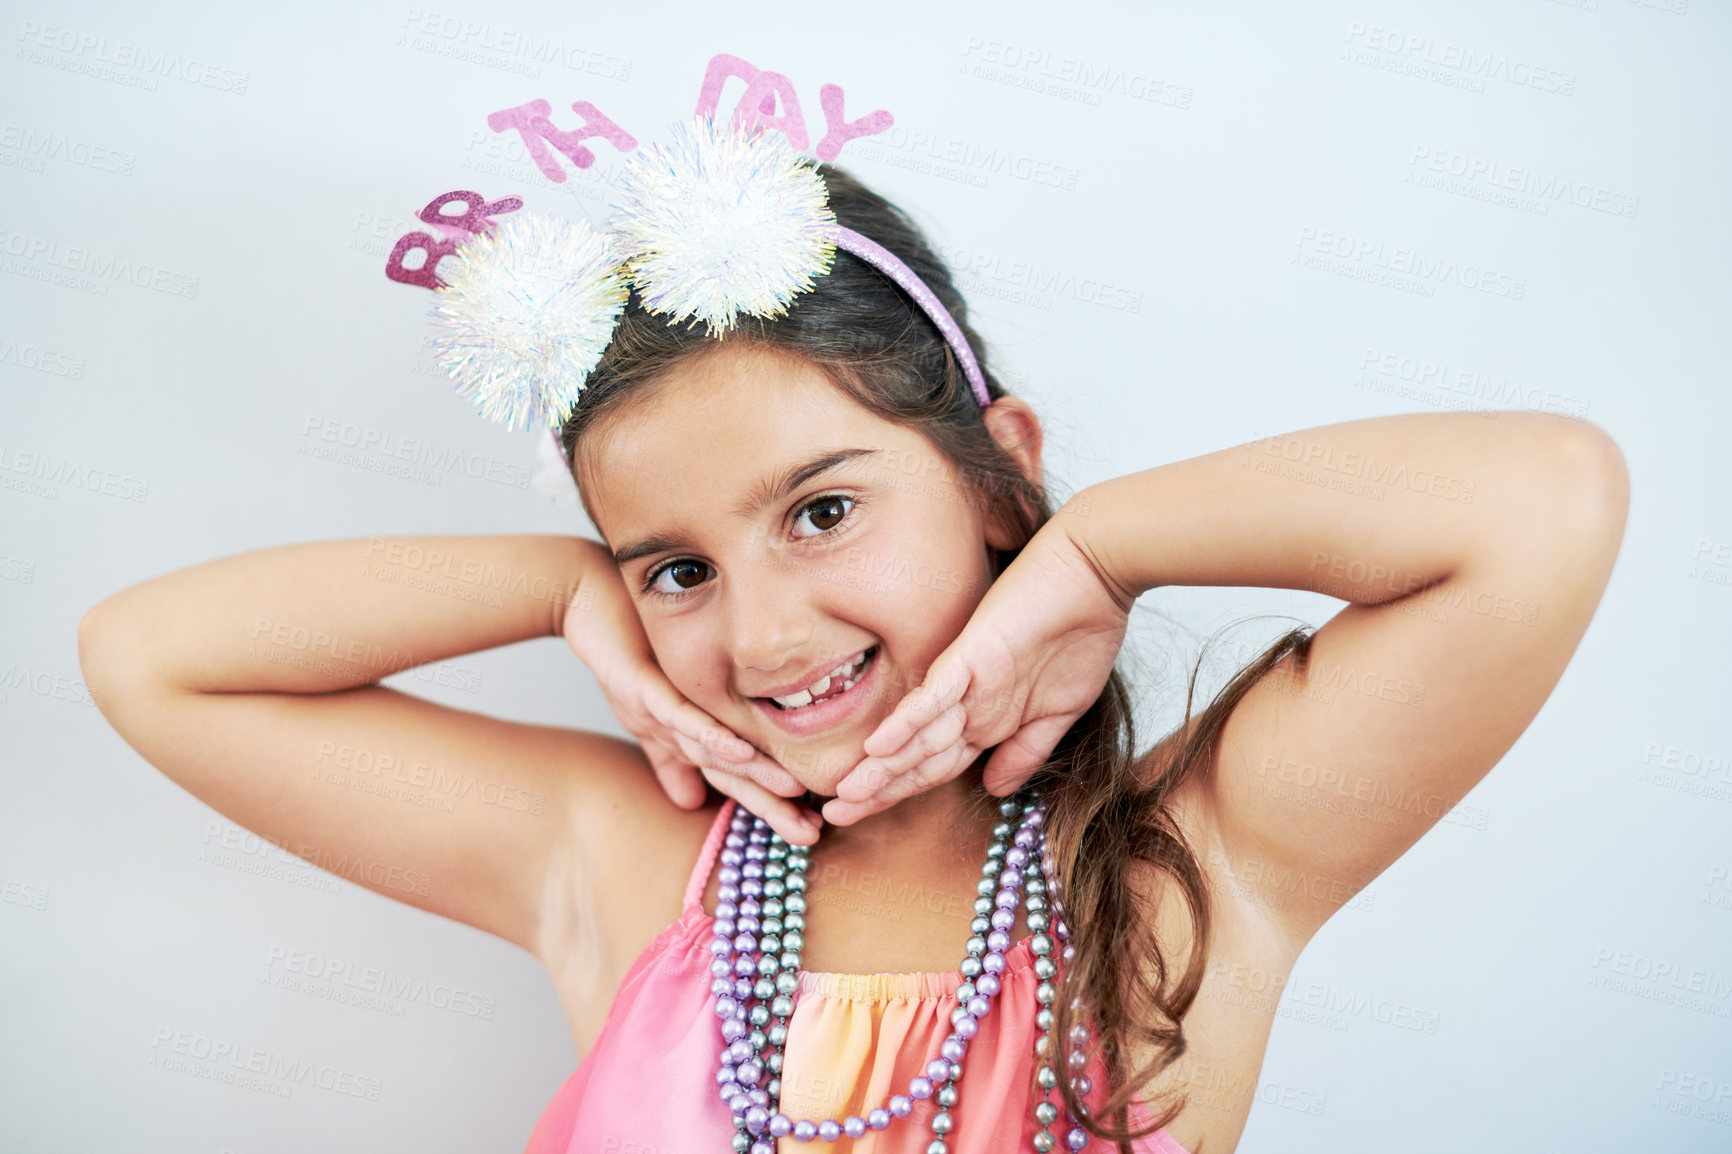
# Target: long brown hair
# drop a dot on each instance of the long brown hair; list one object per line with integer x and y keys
{"x": 1106, "y": 813}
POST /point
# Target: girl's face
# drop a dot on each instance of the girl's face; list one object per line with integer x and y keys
{"x": 782, "y": 542}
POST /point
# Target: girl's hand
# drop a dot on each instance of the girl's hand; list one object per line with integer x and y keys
{"x": 797, "y": 824}
{"x": 679, "y": 739}
{"x": 1034, "y": 656}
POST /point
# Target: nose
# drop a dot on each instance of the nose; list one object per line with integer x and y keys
{"x": 769, "y": 618}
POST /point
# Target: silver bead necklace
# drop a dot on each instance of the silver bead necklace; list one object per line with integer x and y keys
{"x": 755, "y": 967}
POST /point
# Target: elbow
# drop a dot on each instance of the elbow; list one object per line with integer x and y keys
{"x": 93, "y": 636}
{"x": 1586, "y": 486}
{"x": 1600, "y": 478}
{"x": 103, "y": 655}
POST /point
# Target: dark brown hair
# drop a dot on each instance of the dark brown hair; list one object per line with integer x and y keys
{"x": 1108, "y": 815}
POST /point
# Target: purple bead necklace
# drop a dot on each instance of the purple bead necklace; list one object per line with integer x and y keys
{"x": 755, "y": 966}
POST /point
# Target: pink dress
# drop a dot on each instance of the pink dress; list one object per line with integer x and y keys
{"x": 648, "y": 1085}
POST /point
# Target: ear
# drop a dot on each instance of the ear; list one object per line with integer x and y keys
{"x": 1017, "y": 430}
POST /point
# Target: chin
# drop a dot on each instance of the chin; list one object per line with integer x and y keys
{"x": 821, "y": 785}
{"x": 819, "y": 768}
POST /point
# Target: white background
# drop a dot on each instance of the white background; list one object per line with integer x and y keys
{"x": 1190, "y": 157}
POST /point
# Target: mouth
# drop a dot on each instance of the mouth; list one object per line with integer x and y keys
{"x": 827, "y": 701}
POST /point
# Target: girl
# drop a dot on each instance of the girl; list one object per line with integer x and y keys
{"x": 831, "y": 575}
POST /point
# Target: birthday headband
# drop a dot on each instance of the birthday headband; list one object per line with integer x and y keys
{"x": 721, "y": 222}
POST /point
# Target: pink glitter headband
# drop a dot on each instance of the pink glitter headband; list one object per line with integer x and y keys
{"x": 722, "y": 221}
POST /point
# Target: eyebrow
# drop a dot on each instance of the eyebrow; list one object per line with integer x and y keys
{"x": 764, "y": 493}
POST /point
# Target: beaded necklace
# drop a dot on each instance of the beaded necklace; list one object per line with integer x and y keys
{"x": 755, "y": 964}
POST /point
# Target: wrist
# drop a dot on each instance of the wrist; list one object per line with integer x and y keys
{"x": 600, "y": 622}
{"x": 594, "y": 566}
{"x": 1083, "y": 522}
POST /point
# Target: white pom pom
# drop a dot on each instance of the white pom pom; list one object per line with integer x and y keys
{"x": 722, "y": 221}
{"x": 529, "y": 306}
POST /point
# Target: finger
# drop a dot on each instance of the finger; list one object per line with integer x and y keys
{"x": 1015, "y": 760}
{"x": 794, "y": 822}
{"x": 871, "y": 775}
{"x": 668, "y": 707}
{"x": 760, "y": 769}
{"x": 680, "y": 781}
{"x": 994, "y": 711}
{"x": 943, "y": 766}
{"x": 946, "y": 681}
{"x": 938, "y": 769}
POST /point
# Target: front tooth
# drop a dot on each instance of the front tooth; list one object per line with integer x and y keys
{"x": 794, "y": 700}
{"x": 817, "y": 688}
{"x": 842, "y": 670}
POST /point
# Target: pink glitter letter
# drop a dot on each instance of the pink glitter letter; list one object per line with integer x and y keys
{"x": 759, "y": 100}
{"x": 532, "y": 123}
{"x": 838, "y": 131}
{"x": 477, "y": 217}
{"x": 423, "y": 276}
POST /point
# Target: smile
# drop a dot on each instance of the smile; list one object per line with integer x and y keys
{"x": 826, "y": 701}
{"x": 833, "y": 684}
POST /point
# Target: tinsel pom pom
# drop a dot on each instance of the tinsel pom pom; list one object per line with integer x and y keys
{"x": 528, "y": 306}
{"x": 721, "y": 221}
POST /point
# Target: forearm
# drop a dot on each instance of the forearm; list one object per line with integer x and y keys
{"x": 332, "y": 615}
{"x": 1366, "y": 510}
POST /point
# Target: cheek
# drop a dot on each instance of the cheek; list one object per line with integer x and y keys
{"x": 927, "y": 595}
{"x": 690, "y": 659}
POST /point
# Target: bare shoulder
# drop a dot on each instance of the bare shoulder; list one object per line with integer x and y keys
{"x": 630, "y": 854}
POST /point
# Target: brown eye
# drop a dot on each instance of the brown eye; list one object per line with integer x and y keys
{"x": 683, "y": 575}
{"x": 826, "y": 512}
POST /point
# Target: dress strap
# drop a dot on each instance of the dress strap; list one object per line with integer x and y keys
{"x": 707, "y": 856}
